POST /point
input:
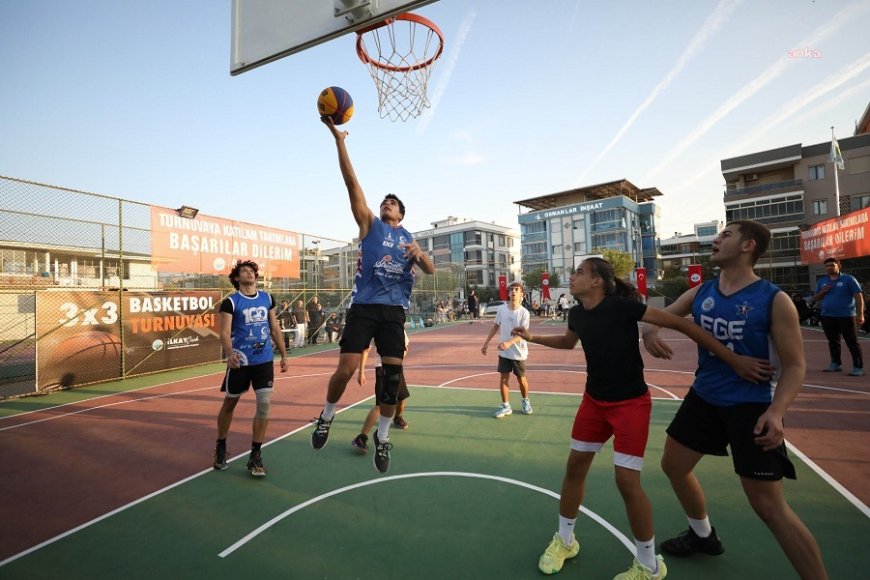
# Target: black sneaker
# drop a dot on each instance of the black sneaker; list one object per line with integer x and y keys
{"x": 220, "y": 456}
{"x": 360, "y": 444}
{"x": 321, "y": 433}
{"x": 689, "y": 543}
{"x": 381, "y": 457}
{"x": 255, "y": 465}
{"x": 400, "y": 422}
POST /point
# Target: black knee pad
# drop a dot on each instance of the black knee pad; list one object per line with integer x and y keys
{"x": 392, "y": 381}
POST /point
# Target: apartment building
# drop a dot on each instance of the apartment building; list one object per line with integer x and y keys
{"x": 789, "y": 189}
{"x": 558, "y": 230}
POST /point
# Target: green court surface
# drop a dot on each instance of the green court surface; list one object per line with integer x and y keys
{"x": 467, "y": 496}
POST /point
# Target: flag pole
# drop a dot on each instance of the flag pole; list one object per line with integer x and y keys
{"x": 836, "y": 177}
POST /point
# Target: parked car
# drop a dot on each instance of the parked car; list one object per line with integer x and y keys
{"x": 491, "y": 308}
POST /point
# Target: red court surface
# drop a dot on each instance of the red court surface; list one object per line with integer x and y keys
{"x": 67, "y": 465}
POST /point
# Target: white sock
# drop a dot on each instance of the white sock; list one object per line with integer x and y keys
{"x": 384, "y": 428}
{"x": 701, "y": 527}
{"x": 328, "y": 411}
{"x": 646, "y": 554}
{"x": 566, "y": 529}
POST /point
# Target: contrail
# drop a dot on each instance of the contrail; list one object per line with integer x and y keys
{"x": 444, "y": 79}
{"x": 790, "y": 109}
{"x": 719, "y": 16}
{"x": 770, "y": 74}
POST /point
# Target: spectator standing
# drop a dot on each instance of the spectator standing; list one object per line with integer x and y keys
{"x": 842, "y": 315}
{"x": 473, "y": 304}
{"x": 301, "y": 316}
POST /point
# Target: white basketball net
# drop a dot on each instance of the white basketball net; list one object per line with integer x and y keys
{"x": 400, "y": 56}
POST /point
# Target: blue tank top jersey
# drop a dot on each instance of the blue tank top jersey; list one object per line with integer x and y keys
{"x": 742, "y": 323}
{"x": 251, "y": 334}
{"x": 383, "y": 274}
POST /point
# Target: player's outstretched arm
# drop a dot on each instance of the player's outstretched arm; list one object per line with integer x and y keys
{"x": 361, "y": 212}
{"x": 751, "y": 369}
{"x": 785, "y": 332}
{"x": 653, "y": 344}
{"x": 565, "y": 341}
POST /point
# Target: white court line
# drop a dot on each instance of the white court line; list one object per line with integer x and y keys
{"x": 253, "y": 534}
{"x": 108, "y": 395}
{"x": 129, "y": 401}
{"x": 831, "y": 481}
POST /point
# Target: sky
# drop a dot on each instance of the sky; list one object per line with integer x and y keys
{"x": 135, "y": 100}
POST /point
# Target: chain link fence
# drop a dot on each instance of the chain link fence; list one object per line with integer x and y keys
{"x": 96, "y": 288}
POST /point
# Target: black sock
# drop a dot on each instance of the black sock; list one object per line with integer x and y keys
{"x": 255, "y": 447}
{"x": 222, "y": 442}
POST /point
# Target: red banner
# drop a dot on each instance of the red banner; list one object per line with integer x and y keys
{"x": 211, "y": 245}
{"x": 847, "y": 236}
{"x": 545, "y": 286}
{"x": 641, "y": 282}
{"x": 502, "y": 287}
{"x": 695, "y": 275}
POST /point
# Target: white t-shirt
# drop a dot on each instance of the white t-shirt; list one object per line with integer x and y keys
{"x": 507, "y": 320}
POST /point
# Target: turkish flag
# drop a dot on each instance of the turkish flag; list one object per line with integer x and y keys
{"x": 502, "y": 287}
{"x": 545, "y": 286}
{"x": 641, "y": 282}
{"x": 694, "y": 275}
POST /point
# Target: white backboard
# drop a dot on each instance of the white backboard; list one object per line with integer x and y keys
{"x": 266, "y": 30}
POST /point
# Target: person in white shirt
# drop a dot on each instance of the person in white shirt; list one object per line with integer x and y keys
{"x": 512, "y": 350}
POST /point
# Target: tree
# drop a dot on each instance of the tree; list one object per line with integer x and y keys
{"x": 622, "y": 262}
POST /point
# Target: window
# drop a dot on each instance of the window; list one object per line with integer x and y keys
{"x": 817, "y": 172}
{"x": 472, "y": 238}
{"x": 535, "y": 227}
{"x": 820, "y": 206}
{"x": 860, "y": 201}
{"x": 440, "y": 242}
{"x": 775, "y": 210}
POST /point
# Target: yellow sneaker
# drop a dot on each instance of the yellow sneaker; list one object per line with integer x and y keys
{"x": 556, "y": 553}
{"x": 639, "y": 572}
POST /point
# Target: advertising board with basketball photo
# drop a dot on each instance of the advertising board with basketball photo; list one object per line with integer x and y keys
{"x": 79, "y": 334}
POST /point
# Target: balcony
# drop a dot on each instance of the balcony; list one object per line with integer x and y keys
{"x": 791, "y": 184}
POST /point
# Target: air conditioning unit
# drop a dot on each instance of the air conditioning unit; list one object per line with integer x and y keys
{"x": 751, "y": 177}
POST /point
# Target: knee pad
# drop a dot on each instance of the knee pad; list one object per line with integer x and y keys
{"x": 392, "y": 381}
{"x": 264, "y": 403}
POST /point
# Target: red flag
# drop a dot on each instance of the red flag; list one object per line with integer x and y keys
{"x": 694, "y": 275}
{"x": 502, "y": 287}
{"x": 641, "y": 282}
{"x": 545, "y": 286}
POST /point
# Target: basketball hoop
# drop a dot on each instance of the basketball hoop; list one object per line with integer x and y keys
{"x": 399, "y": 53}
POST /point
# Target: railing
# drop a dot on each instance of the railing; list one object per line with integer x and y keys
{"x": 790, "y": 184}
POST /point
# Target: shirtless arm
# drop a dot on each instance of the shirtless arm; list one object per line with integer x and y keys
{"x": 361, "y": 212}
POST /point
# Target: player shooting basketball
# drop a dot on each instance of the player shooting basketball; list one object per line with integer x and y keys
{"x": 382, "y": 288}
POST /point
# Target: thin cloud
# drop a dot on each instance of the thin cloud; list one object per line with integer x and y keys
{"x": 767, "y": 76}
{"x": 715, "y": 21}
{"x": 444, "y": 79}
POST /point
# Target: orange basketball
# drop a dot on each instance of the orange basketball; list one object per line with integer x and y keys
{"x": 335, "y": 102}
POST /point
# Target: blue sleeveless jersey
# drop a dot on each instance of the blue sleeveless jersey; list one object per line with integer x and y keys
{"x": 251, "y": 334}
{"x": 742, "y": 323}
{"x": 383, "y": 274}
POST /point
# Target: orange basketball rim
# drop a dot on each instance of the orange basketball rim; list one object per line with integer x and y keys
{"x": 399, "y": 53}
